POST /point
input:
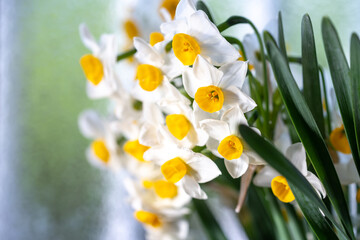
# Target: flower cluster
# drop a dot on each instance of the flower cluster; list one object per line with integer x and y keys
{"x": 183, "y": 106}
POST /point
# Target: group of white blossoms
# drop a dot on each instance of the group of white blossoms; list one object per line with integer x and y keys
{"x": 155, "y": 126}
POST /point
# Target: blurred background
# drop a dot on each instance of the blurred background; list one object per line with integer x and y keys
{"x": 47, "y": 188}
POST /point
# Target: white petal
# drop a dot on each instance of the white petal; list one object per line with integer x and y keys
{"x": 88, "y": 39}
{"x": 233, "y": 116}
{"x": 297, "y": 156}
{"x": 211, "y": 42}
{"x": 169, "y": 29}
{"x": 254, "y": 158}
{"x": 101, "y": 90}
{"x": 202, "y": 115}
{"x": 161, "y": 154}
{"x": 315, "y": 182}
{"x": 152, "y": 114}
{"x": 203, "y": 169}
{"x": 147, "y": 96}
{"x": 216, "y": 129}
{"x": 233, "y": 96}
{"x": 185, "y": 9}
{"x": 234, "y": 74}
{"x": 149, "y": 135}
{"x": 347, "y": 172}
{"x": 146, "y": 53}
{"x": 237, "y": 167}
{"x": 265, "y": 176}
{"x": 91, "y": 124}
{"x": 206, "y": 73}
{"x": 165, "y": 15}
{"x": 192, "y": 188}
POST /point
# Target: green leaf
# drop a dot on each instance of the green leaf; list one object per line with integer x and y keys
{"x": 211, "y": 226}
{"x": 311, "y": 81}
{"x": 308, "y": 133}
{"x": 304, "y": 193}
{"x": 282, "y": 44}
{"x": 340, "y": 74}
{"x": 355, "y": 83}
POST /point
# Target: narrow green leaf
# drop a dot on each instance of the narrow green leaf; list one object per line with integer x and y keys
{"x": 355, "y": 84}
{"x": 296, "y": 227}
{"x": 211, "y": 226}
{"x": 340, "y": 74}
{"x": 308, "y": 133}
{"x": 305, "y": 194}
{"x": 311, "y": 81}
{"x": 281, "y": 36}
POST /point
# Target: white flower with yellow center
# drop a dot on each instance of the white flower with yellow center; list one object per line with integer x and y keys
{"x": 99, "y": 66}
{"x": 194, "y": 34}
{"x": 226, "y": 142}
{"x": 269, "y": 177}
{"x": 162, "y": 224}
{"x": 215, "y": 89}
{"x": 103, "y": 151}
{"x": 157, "y": 192}
{"x": 156, "y": 68}
{"x": 183, "y": 166}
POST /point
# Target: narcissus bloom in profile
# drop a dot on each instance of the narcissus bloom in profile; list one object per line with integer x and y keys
{"x": 193, "y": 34}
{"x": 99, "y": 66}
{"x": 216, "y": 89}
{"x": 184, "y": 166}
{"x": 102, "y": 152}
{"x": 226, "y": 142}
{"x": 269, "y": 177}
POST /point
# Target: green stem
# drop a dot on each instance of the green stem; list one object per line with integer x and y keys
{"x": 239, "y": 20}
{"x": 125, "y": 54}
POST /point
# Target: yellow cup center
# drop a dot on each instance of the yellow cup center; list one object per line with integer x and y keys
{"x": 147, "y": 218}
{"x": 100, "y": 150}
{"x": 156, "y": 37}
{"x": 165, "y": 189}
{"x": 135, "y": 149}
{"x": 149, "y": 77}
{"x": 230, "y": 147}
{"x": 93, "y": 68}
{"x": 170, "y": 6}
{"x": 186, "y": 48}
{"x": 339, "y": 141}
{"x": 131, "y": 29}
{"x": 281, "y": 189}
{"x": 178, "y": 125}
{"x": 174, "y": 170}
{"x": 210, "y": 98}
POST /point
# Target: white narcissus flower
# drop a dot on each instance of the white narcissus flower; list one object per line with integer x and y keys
{"x": 226, "y": 142}
{"x": 269, "y": 177}
{"x": 167, "y": 9}
{"x": 103, "y": 151}
{"x": 215, "y": 90}
{"x": 99, "y": 66}
{"x": 184, "y": 166}
{"x": 163, "y": 225}
{"x": 156, "y": 192}
{"x": 193, "y": 34}
{"x": 155, "y": 70}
